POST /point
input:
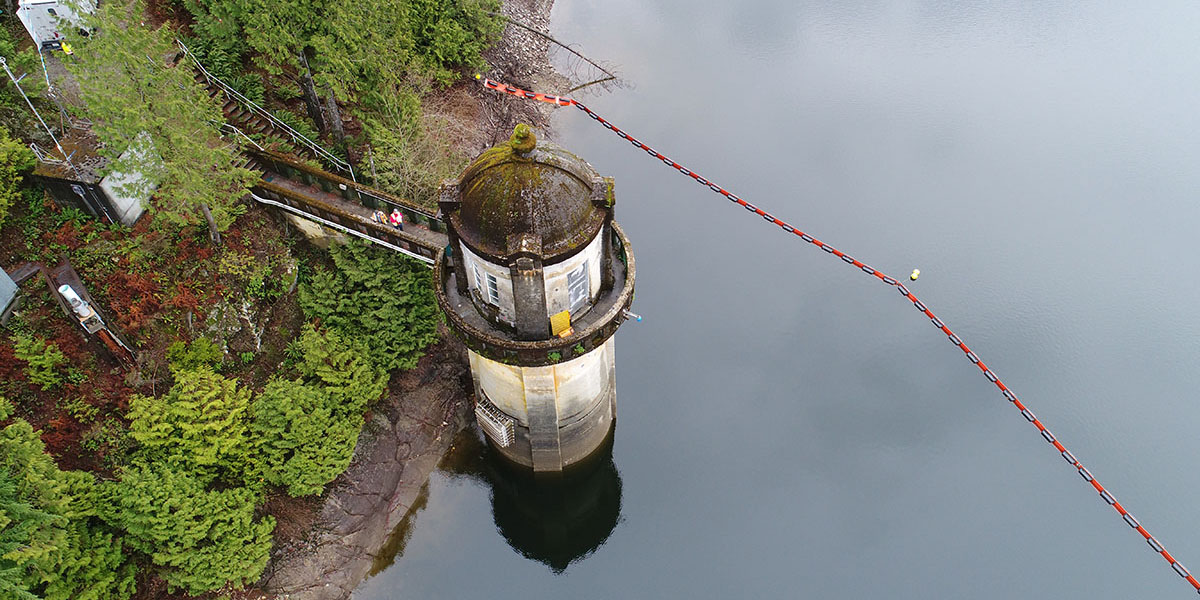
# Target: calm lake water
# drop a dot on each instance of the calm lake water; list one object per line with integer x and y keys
{"x": 788, "y": 427}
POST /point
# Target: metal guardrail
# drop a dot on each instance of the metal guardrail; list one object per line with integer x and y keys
{"x": 230, "y": 128}
{"x": 266, "y": 114}
{"x": 312, "y": 217}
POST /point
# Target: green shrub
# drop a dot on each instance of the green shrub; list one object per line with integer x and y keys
{"x": 302, "y": 126}
{"x": 250, "y": 85}
{"x": 15, "y": 160}
{"x": 219, "y": 56}
{"x": 43, "y": 360}
{"x": 201, "y": 539}
{"x": 199, "y": 427}
{"x": 201, "y": 352}
{"x": 378, "y": 298}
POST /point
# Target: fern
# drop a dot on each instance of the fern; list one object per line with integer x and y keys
{"x": 43, "y": 360}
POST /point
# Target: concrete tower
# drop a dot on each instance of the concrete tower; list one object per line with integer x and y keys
{"x": 536, "y": 278}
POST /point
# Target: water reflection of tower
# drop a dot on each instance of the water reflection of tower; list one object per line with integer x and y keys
{"x": 536, "y": 278}
{"x": 556, "y": 522}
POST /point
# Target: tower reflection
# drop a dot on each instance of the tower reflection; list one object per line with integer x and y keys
{"x": 556, "y": 521}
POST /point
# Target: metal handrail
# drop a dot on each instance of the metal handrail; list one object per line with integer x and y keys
{"x": 266, "y": 114}
{"x": 233, "y": 129}
{"x": 340, "y": 227}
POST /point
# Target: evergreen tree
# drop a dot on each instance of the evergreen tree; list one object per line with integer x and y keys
{"x": 15, "y": 159}
{"x": 202, "y": 539}
{"x": 141, "y": 102}
{"x": 304, "y": 438}
{"x": 343, "y": 368}
{"x": 12, "y": 107}
{"x": 22, "y": 525}
{"x": 198, "y": 427}
{"x": 50, "y": 546}
{"x": 377, "y": 298}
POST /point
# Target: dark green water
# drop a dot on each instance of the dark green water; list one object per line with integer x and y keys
{"x": 788, "y": 427}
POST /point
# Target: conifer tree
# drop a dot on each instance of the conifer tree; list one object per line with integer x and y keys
{"x": 344, "y": 368}
{"x": 383, "y": 301}
{"x": 51, "y": 547}
{"x": 202, "y": 539}
{"x": 304, "y": 440}
{"x": 139, "y": 100}
{"x": 198, "y": 427}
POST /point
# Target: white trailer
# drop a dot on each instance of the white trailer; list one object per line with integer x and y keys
{"x": 49, "y": 22}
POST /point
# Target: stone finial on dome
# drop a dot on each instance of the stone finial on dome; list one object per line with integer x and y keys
{"x": 522, "y": 141}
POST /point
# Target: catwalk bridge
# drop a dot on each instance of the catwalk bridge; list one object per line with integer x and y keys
{"x": 334, "y": 197}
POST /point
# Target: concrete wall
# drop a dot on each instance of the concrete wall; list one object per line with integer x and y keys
{"x": 8, "y": 294}
{"x": 557, "y": 295}
{"x": 319, "y": 235}
{"x": 576, "y": 383}
{"x": 128, "y": 192}
{"x": 562, "y": 413}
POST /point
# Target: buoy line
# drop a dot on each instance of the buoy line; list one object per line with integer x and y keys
{"x": 887, "y": 280}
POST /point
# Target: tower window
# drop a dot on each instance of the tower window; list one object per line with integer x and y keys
{"x": 578, "y": 287}
{"x": 487, "y": 285}
{"x": 493, "y": 290}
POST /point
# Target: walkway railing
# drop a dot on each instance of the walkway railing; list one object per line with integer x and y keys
{"x": 349, "y": 190}
{"x": 265, "y": 114}
{"x": 331, "y": 216}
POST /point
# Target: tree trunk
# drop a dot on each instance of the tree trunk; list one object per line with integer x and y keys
{"x": 309, "y": 90}
{"x": 213, "y": 233}
{"x": 335, "y": 118}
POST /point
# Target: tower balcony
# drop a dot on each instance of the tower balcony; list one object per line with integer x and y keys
{"x": 498, "y": 343}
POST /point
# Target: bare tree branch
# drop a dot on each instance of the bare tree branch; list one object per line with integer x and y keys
{"x": 611, "y": 75}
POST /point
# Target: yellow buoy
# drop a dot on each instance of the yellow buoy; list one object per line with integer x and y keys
{"x": 915, "y": 274}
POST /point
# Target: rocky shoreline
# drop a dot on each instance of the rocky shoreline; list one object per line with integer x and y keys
{"x": 408, "y": 433}
{"x": 404, "y": 438}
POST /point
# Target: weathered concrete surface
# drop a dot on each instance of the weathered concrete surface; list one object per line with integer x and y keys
{"x": 405, "y": 437}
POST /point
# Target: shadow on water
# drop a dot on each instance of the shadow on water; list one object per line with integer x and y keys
{"x": 555, "y": 521}
{"x": 399, "y": 537}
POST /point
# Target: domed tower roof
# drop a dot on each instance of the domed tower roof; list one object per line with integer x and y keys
{"x": 529, "y": 197}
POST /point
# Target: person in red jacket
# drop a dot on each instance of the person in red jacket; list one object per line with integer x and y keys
{"x": 397, "y": 219}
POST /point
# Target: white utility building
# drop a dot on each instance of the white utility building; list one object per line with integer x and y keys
{"x": 50, "y": 22}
